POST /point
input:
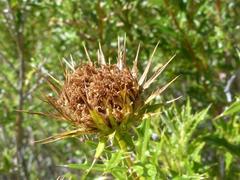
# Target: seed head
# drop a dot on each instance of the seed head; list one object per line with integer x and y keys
{"x": 107, "y": 90}
{"x": 102, "y": 98}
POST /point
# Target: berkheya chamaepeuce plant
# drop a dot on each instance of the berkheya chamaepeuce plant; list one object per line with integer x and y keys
{"x": 105, "y": 99}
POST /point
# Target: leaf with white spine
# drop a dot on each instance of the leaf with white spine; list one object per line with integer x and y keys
{"x": 134, "y": 68}
{"x": 157, "y": 73}
{"x": 159, "y": 91}
{"x": 144, "y": 75}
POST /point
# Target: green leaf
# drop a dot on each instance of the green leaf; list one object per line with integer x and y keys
{"x": 100, "y": 148}
{"x": 234, "y": 108}
{"x": 128, "y": 140}
{"x": 150, "y": 108}
{"x": 61, "y": 136}
{"x": 96, "y": 167}
{"x": 151, "y": 170}
{"x": 115, "y": 160}
{"x": 120, "y": 173}
{"x": 231, "y": 110}
{"x": 139, "y": 170}
{"x": 195, "y": 121}
{"x": 167, "y": 121}
{"x": 229, "y": 160}
{"x": 99, "y": 121}
{"x": 146, "y": 138}
{"x": 222, "y": 142}
{"x": 112, "y": 120}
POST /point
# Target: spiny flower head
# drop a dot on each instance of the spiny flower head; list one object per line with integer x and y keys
{"x": 106, "y": 91}
{"x": 103, "y": 98}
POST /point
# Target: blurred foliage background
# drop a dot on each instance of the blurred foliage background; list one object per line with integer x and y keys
{"x": 35, "y": 35}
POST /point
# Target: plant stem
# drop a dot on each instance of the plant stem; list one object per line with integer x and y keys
{"x": 15, "y": 20}
{"x": 123, "y": 146}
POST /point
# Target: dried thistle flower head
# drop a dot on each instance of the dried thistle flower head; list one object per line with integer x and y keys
{"x": 106, "y": 90}
{"x": 102, "y": 98}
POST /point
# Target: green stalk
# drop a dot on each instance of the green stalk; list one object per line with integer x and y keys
{"x": 123, "y": 146}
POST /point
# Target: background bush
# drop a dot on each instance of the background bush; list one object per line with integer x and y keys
{"x": 36, "y": 35}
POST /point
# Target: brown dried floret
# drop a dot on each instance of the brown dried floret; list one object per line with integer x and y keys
{"x": 101, "y": 88}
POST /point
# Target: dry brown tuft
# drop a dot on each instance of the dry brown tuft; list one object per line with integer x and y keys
{"x": 101, "y": 88}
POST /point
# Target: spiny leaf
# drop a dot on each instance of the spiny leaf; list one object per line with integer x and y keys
{"x": 121, "y": 60}
{"x": 52, "y": 115}
{"x": 64, "y": 135}
{"x": 173, "y": 100}
{"x": 112, "y": 120}
{"x": 54, "y": 87}
{"x": 99, "y": 150}
{"x": 101, "y": 58}
{"x": 232, "y": 109}
{"x": 99, "y": 121}
{"x": 169, "y": 124}
{"x": 52, "y": 102}
{"x": 87, "y": 54}
{"x": 115, "y": 160}
{"x": 53, "y": 78}
{"x": 97, "y": 167}
{"x": 194, "y": 122}
{"x": 150, "y": 108}
{"x": 129, "y": 141}
{"x": 144, "y": 75}
{"x": 71, "y": 66}
{"x": 146, "y": 137}
{"x": 135, "y": 68}
{"x": 157, "y": 73}
{"x": 222, "y": 142}
{"x": 159, "y": 91}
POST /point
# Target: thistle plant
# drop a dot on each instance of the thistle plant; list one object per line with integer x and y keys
{"x": 103, "y": 98}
